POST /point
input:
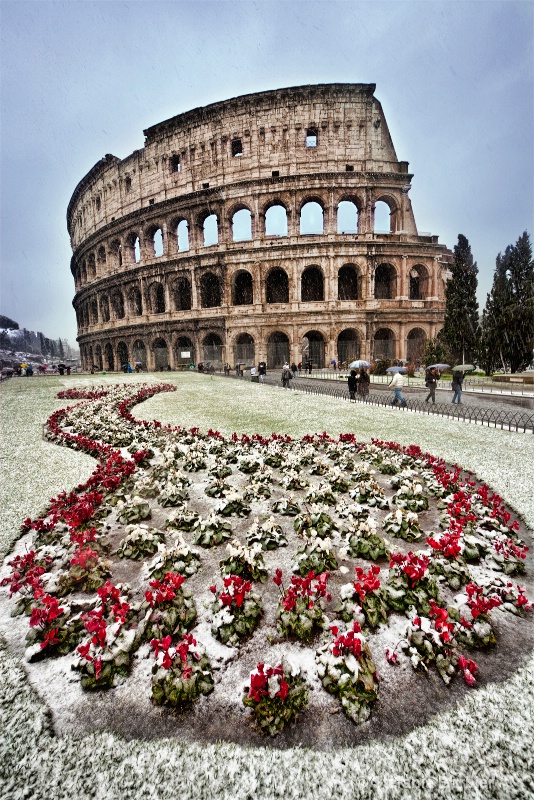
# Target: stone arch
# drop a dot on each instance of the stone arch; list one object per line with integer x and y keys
{"x": 312, "y": 285}
{"x": 93, "y": 311}
{"x": 181, "y": 294}
{"x": 348, "y": 345}
{"x": 99, "y": 364}
{"x": 243, "y": 294}
{"x": 277, "y": 349}
{"x": 384, "y": 344}
{"x": 139, "y": 354}
{"x": 347, "y": 216}
{"x": 117, "y": 303}
{"x": 418, "y": 282}
{"x": 115, "y": 250}
{"x": 154, "y": 235}
{"x": 244, "y": 349}
{"x": 83, "y": 273}
{"x": 157, "y": 298}
{"x": 182, "y": 235}
{"x": 241, "y": 222}
{"x": 161, "y": 354}
{"x": 104, "y": 308}
{"x": 276, "y": 219}
{"x": 212, "y": 348}
{"x": 349, "y": 283}
{"x": 133, "y": 248}
{"x": 101, "y": 255}
{"x": 312, "y": 217}
{"x": 385, "y": 214}
{"x": 210, "y": 230}
{"x": 210, "y": 290}
{"x": 415, "y": 344}
{"x": 91, "y": 266}
{"x": 122, "y": 354}
{"x": 277, "y": 286}
{"x": 385, "y": 282}
{"x": 316, "y": 348}
{"x": 109, "y": 359}
{"x": 184, "y": 350}
{"x": 135, "y": 301}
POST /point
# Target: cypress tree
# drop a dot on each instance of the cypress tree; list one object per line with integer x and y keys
{"x": 461, "y": 329}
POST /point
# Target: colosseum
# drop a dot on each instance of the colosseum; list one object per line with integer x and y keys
{"x": 272, "y": 227}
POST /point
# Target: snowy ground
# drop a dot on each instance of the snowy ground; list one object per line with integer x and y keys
{"x": 481, "y": 748}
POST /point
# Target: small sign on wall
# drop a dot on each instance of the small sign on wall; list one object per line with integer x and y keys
{"x": 185, "y": 354}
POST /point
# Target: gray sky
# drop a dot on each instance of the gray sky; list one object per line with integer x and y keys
{"x": 82, "y": 79}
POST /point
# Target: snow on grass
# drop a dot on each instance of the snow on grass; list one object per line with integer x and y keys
{"x": 480, "y": 749}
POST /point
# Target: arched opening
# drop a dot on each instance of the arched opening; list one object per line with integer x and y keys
{"x": 210, "y": 228}
{"x": 133, "y": 248}
{"x": 277, "y": 350}
{"x": 91, "y": 266}
{"x": 104, "y": 308}
{"x": 244, "y": 352}
{"x": 348, "y": 346}
{"x": 277, "y": 286}
{"x": 99, "y": 364}
{"x": 93, "y": 311}
{"x": 312, "y": 285}
{"x": 137, "y": 250}
{"x": 122, "y": 355}
{"x": 83, "y": 273}
{"x": 385, "y": 282}
{"x": 139, "y": 355}
{"x": 156, "y": 237}
{"x": 101, "y": 255}
{"x": 311, "y": 218}
{"x": 182, "y": 235}
{"x": 382, "y": 218}
{"x": 276, "y": 221}
{"x": 418, "y": 276}
{"x": 115, "y": 249}
{"x": 90, "y": 357}
{"x": 415, "y": 344}
{"x": 185, "y": 351}
{"x": 210, "y": 290}
{"x": 161, "y": 355}
{"x": 181, "y": 293}
{"x": 157, "y": 298}
{"x": 117, "y": 301}
{"x": 108, "y": 357}
{"x": 313, "y": 349}
{"x": 384, "y": 344}
{"x": 212, "y": 349}
{"x": 347, "y": 217}
{"x": 242, "y": 225}
{"x": 243, "y": 294}
{"x": 348, "y": 283}
{"x": 135, "y": 301}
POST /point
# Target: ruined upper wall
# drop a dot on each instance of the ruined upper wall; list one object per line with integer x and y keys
{"x": 270, "y": 131}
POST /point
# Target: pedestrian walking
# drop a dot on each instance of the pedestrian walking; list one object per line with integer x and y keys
{"x": 431, "y": 383}
{"x": 286, "y": 376}
{"x": 456, "y": 386}
{"x": 363, "y": 382}
{"x": 262, "y": 371}
{"x": 397, "y": 382}
{"x": 294, "y": 369}
{"x": 352, "y": 383}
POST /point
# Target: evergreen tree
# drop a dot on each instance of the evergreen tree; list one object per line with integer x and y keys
{"x": 508, "y": 319}
{"x": 435, "y": 352}
{"x": 61, "y": 351}
{"x": 460, "y": 328}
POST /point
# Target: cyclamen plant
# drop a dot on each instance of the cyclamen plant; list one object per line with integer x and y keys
{"x": 409, "y": 583}
{"x": 244, "y": 561}
{"x": 172, "y": 608}
{"x": 346, "y": 669}
{"x": 276, "y": 696}
{"x": 363, "y": 600}
{"x": 403, "y": 524}
{"x": 363, "y": 541}
{"x": 300, "y": 613}
{"x": 236, "y": 610}
{"x": 315, "y": 556}
{"x": 269, "y": 535}
{"x": 182, "y": 671}
{"x": 140, "y": 541}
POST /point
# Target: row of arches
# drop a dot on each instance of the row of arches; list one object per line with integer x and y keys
{"x": 177, "y": 295}
{"x": 161, "y": 355}
{"x": 181, "y": 232}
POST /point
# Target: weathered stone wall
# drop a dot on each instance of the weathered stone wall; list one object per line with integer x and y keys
{"x": 255, "y": 297}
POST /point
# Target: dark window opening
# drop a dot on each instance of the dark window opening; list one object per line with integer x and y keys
{"x": 347, "y": 283}
{"x": 175, "y": 164}
{"x": 128, "y": 184}
{"x": 136, "y": 303}
{"x": 311, "y": 137}
{"x": 349, "y": 168}
{"x": 205, "y": 186}
{"x": 385, "y": 282}
{"x": 157, "y": 293}
{"x": 210, "y": 291}
{"x": 151, "y": 201}
{"x": 98, "y": 203}
{"x": 277, "y": 287}
{"x": 275, "y": 173}
{"x": 243, "y": 295}
{"x": 312, "y": 289}
{"x": 182, "y": 295}
{"x": 237, "y": 148}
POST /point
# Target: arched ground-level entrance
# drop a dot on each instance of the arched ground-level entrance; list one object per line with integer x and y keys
{"x": 277, "y": 350}
{"x": 348, "y": 346}
{"x": 244, "y": 351}
{"x": 313, "y": 349}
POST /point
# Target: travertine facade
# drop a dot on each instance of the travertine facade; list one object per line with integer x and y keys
{"x": 245, "y": 231}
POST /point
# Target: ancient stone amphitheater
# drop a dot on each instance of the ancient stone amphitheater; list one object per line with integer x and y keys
{"x": 275, "y": 226}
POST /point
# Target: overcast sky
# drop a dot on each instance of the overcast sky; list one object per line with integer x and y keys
{"x": 82, "y": 79}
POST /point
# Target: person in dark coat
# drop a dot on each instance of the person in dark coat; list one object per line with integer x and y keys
{"x": 456, "y": 386}
{"x": 431, "y": 383}
{"x": 286, "y": 376}
{"x": 352, "y": 383}
{"x": 363, "y": 383}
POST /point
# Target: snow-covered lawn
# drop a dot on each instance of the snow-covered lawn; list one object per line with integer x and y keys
{"x": 482, "y": 748}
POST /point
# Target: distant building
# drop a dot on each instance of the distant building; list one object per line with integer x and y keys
{"x": 249, "y": 231}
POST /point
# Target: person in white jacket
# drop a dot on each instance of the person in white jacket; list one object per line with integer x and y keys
{"x": 397, "y": 382}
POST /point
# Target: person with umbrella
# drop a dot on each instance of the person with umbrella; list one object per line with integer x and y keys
{"x": 456, "y": 386}
{"x": 363, "y": 382}
{"x": 396, "y": 383}
{"x": 431, "y": 382}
